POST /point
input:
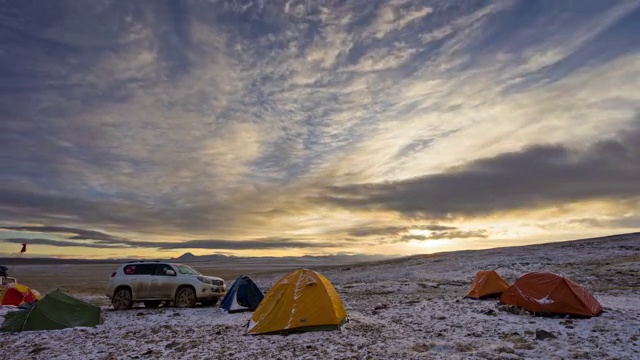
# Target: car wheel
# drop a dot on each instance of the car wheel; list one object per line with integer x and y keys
{"x": 152, "y": 304}
{"x": 186, "y": 297}
{"x": 210, "y": 302}
{"x": 122, "y": 299}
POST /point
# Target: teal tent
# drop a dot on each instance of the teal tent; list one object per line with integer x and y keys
{"x": 57, "y": 310}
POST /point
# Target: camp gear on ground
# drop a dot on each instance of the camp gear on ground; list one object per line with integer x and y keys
{"x": 16, "y": 294}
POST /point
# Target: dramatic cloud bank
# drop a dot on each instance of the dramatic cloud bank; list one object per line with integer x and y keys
{"x": 297, "y": 127}
{"x": 537, "y": 176}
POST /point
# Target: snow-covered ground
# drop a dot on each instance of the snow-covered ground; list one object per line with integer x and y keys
{"x": 423, "y": 315}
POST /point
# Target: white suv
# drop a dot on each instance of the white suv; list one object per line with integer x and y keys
{"x": 154, "y": 282}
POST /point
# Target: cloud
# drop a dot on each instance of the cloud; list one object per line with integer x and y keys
{"x": 394, "y": 17}
{"x": 394, "y": 230}
{"x": 401, "y": 234}
{"x": 439, "y": 235}
{"x": 566, "y": 45}
{"x": 622, "y": 220}
{"x": 80, "y": 234}
{"x": 60, "y": 243}
{"x": 265, "y": 243}
{"x": 106, "y": 241}
{"x": 537, "y": 176}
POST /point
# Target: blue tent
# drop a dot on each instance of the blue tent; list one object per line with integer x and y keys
{"x": 243, "y": 295}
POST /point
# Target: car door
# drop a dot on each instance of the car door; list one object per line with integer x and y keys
{"x": 140, "y": 280}
{"x": 161, "y": 285}
{"x": 130, "y": 277}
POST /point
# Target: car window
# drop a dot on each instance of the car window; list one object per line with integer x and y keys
{"x": 129, "y": 269}
{"x": 161, "y": 270}
{"x": 187, "y": 270}
{"x": 145, "y": 269}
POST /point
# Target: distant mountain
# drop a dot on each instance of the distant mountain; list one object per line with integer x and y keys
{"x": 213, "y": 259}
{"x": 219, "y": 260}
{"x": 307, "y": 259}
{"x": 190, "y": 257}
{"x": 186, "y": 256}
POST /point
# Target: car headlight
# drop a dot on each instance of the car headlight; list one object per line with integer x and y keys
{"x": 203, "y": 280}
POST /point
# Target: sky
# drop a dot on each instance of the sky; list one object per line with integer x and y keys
{"x": 286, "y": 128}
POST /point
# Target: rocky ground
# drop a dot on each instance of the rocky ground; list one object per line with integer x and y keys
{"x": 409, "y": 308}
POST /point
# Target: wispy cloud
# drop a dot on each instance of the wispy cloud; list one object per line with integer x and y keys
{"x": 395, "y": 230}
{"x": 100, "y": 240}
{"x": 191, "y": 244}
{"x": 59, "y": 243}
{"x": 77, "y": 234}
{"x": 478, "y": 234}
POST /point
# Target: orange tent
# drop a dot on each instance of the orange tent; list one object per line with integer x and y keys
{"x": 551, "y": 293}
{"x": 487, "y": 283}
{"x": 16, "y": 294}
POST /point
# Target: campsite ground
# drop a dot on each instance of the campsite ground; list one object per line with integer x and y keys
{"x": 407, "y": 308}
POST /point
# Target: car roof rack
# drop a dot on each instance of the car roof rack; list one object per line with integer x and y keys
{"x": 139, "y": 261}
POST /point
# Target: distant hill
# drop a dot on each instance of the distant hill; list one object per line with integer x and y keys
{"x": 186, "y": 256}
{"x": 287, "y": 261}
{"x": 307, "y": 258}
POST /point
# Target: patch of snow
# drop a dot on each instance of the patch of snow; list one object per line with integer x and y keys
{"x": 4, "y": 309}
{"x": 544, "y": 301}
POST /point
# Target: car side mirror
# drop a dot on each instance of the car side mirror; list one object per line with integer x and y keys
{"x": 170, "y": 273}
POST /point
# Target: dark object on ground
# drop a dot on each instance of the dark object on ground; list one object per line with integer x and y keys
{"x": 543, "y": 335}
{"x": 513, "y": 309}
{"x": 28, "y": 305}
{"x": 37, "y": 350}
{"x": 380, "y": 306}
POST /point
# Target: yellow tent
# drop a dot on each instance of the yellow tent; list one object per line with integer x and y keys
{"x": 301, "y": 301}
{"x": 487, "y": 283}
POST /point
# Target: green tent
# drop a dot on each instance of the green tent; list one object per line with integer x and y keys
{"x": 57, "y": 310}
